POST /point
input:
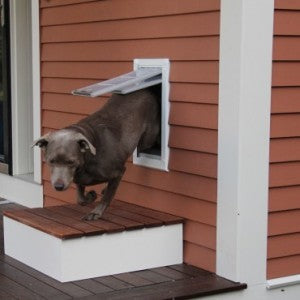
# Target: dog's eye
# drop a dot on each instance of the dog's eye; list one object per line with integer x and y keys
{"x": 70, "y": 162}
{"x": 52, "y": 161}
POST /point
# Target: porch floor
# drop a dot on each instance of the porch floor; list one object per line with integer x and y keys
{"x": 18, "y": 281}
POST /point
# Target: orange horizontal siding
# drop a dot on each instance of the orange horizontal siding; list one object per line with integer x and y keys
{"x": 285, "y": 149}
{"x": 285, "y": 125}
{"x": 284, "y": 198}
{"x": 191, "y": 92}
{"x": 287, "y": 4}
{"x": 284, "y": 182}
{"x": 199, "y": 256}
{"x": 286, "y": 22}
{"x": 284, "y": 174}
{"x": 52, "y": 3}
{"x": 71, "y": 104}
{"x": 200, "y": 234}
{"x": 182, "y": 183}
{"x": 284, "y": 266}
{"x": 116, "y": 10}
{"x": 284, "y": 245}
{"x": 193, "y": 162}
{"x": 194, "y": 115}
{"x": 192, "y": 48}
{"x": 152, "y": 27}
{"x": 286, "y": 73}
{"x": 284, "y": 222}
{"x": 83, "y": 42}
{"x": 285, "y": 100}
{"x": 169, "y": 201}
{"x": 196, "y": 139}
{"x": 286, "y": 48}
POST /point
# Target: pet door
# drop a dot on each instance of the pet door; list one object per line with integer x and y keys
{"x": 147, "y": 72}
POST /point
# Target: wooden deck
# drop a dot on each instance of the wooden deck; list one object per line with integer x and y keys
{"x": 18, "y": 281}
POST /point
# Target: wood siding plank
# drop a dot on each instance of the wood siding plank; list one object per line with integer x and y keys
{"x": 193, "y": 162}
{"x": 116, "y": 10}
{"x": 200, "y": 256}
{"x": 194, "y": 115}
{"x": 185, "y": 25}
{"x": 285, "y": 149}
{"x": 196, "y": 139}
{"x": 285, "y": 125}
{"x": 284, "y": 222}
{"x": 283, "y": 245}
{"x": 284, "y": 198}
{"x": 284, "y": 174}
{"x": 284, "y": 266}
{"x": 287, "y": 22}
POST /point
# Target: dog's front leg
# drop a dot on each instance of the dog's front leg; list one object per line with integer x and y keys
{"x": 83, "y": 199}
{"x": 108, "y": 195}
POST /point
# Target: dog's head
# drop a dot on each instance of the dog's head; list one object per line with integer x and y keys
{"x": 63, "y": 151}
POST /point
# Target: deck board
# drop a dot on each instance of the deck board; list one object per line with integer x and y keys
{"x": 67, "y": 222}
{"x": 18, "y": 281}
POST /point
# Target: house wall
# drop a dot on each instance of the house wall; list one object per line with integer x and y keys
{"x": 83, "y": 42}
{"x": 284, "y": 204}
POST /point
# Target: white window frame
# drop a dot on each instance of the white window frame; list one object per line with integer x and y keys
{"x": 26, "y": 190}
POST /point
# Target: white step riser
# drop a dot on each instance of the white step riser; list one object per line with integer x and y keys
{"x": 88, "y": 257}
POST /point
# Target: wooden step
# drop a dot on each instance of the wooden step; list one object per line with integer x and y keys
{"x": 67, "y": 222}
{"x": 58, "y": 242}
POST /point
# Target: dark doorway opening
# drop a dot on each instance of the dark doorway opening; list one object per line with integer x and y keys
{"x": 5, "y": 96}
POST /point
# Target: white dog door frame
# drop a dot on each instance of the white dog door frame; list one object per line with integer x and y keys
{"x": 147, "y": 72}
{"x": 151, "y": 160}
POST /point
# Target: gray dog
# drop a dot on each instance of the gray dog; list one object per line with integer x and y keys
{"x": 95, "y": 149}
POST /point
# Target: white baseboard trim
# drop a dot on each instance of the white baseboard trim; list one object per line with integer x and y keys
{"x": 23, "y": 192}
{"x": 283, "y": 281}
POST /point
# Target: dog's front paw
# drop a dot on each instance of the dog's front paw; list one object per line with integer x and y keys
{"x": 91, "y": 217}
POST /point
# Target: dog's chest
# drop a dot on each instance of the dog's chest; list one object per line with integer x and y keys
{"x": 89, "y": 175}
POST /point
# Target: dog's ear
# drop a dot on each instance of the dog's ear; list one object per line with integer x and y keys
{"x": 42, "y": 142}
{"x": 85, "y": 144}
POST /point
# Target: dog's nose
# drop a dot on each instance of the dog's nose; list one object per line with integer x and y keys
{"x": 59, "y": 186}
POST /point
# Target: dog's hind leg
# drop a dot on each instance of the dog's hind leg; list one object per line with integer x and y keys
{"x": 84, "y": 199}
{"x": 109, "y": 193}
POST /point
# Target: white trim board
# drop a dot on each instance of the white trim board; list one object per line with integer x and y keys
{"x": 25, "y": 86}
{"x": 36, "y": 87}
{"x": 26, "y": 193}
{"x": 243, "y": 139}
{"x": 283, "y": 282}
{"x": 93, "y": 256}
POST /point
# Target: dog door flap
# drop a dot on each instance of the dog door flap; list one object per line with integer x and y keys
{"x": 123, "y": 84}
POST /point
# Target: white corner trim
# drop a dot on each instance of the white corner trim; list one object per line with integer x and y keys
{"x": 283, "y": 281}
{"x": 20, "y": 191}
{"x": 243, "y": 139}
{"x": 36, "y": 87}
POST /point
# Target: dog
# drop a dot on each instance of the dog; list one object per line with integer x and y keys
{"x": 95, "y": 149}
